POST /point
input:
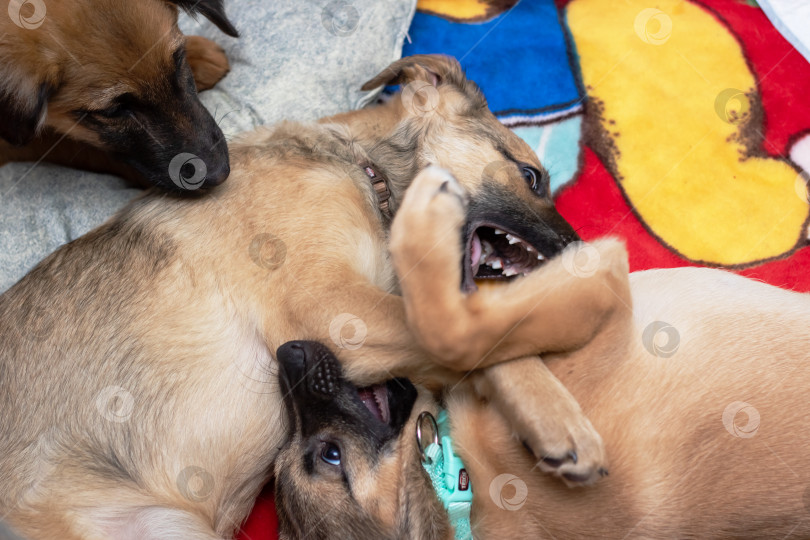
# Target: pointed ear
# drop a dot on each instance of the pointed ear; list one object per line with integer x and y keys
{"x": 213, "y": 10}
{"x": 22, "y": 117}
{"x": 435, "y": 69}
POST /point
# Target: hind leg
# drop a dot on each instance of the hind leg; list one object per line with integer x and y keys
{"x": 100, "y": 512}
{"x": 107, "y": 523}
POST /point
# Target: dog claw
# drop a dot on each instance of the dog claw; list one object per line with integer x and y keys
{"x": 571, "y": 456}
{"x": 576, "y": 478}
{"x": 552, "y": 462}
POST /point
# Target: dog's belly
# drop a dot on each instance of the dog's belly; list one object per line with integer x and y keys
{"x": 705, "y": 418}
{"x": 705, "y": 428}
{"x": 182, "y": 406}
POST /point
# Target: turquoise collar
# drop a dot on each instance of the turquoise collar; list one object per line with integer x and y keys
{"x": 447, "y": 473}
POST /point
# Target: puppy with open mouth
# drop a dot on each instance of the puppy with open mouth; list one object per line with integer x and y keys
{"x": 139, "y": 388}
{"x": 117, "y": 79}
{"x": 704, "y": 418}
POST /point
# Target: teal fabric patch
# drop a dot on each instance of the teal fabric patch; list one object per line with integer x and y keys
{"x": 450, "y": 480}
{"x": 558, "y": 147}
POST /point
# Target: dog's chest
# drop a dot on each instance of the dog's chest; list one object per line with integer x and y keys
{"x": 373, "y": 262}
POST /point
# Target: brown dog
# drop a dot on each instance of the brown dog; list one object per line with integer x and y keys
{"x": 138, "y": 388}
{"x": 698, "y": 383}
{"x": 116, "y": 76}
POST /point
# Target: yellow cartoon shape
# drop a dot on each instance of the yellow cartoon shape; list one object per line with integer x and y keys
{"x": 465, "y": 10}
{"x": 679, "y": 121}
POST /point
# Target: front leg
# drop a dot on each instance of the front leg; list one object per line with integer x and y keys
{"x": 546, "y": 417}
{"x": 364, "y": 325}
{"x": 553, "y": 309}
{"x": 207, "y": 61}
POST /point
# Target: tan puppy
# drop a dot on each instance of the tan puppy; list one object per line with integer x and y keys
{"x": 138, "y": 388}
{"x": 115, "y": 76}
{"x": 698, "y": 383}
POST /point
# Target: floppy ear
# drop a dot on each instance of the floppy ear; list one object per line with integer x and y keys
{"x": 213, "y": 10}
{"x": 421, "y": 514}
{"x": 22, "y": 118}
{"x": 433, "y": 68}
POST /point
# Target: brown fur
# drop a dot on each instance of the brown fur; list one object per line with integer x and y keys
{"x": 207, "y": 61}
{"x": 111, "y": 75}
{"x": 139, "y": 361}
{"x": 677, "y": 470}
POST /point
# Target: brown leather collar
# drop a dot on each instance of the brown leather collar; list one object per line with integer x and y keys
{"x": 380, "y": 185}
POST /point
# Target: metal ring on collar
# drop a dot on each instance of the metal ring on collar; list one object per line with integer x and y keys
{"x": 419, "y": 421}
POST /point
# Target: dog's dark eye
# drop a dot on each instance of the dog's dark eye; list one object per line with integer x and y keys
{"x": 535, "y": 180}
{"x": 330, "y": 453}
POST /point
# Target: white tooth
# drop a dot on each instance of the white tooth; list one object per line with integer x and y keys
{"x": 498, "y": 231}
{"x": 540, "y": 257}
{"x": 509, "y": 272}
{"x": 496, "y": 264}
{"x": 530, "y": 249}
{"x": 512, "y": 239}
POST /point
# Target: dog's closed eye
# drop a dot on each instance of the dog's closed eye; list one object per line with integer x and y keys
{"x": 120, "y": 106}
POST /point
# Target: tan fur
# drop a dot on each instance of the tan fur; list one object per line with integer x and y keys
{"x": 677, "y": 470}
{"x": 140, "y": 356}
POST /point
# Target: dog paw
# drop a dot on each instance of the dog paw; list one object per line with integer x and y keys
{"x": 429, "y": 220}
{"x": 437, "y": 191}
{"x": 207, "y": 61}
{"x": 546, "y": 417}
{"x": 574, "y": 452}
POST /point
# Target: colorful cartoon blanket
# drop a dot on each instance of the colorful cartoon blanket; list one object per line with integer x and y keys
{"x": 676, "y": 133}
{"x": 682, "y": 127}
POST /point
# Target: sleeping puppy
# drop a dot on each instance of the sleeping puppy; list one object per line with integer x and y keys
{"x": 117, "y": 76}
{"x": 137, "y": 376}
{"x": 698, "y": 386}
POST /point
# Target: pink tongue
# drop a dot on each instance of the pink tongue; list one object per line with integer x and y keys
{"x": 475, "y": 253}
{"x": 375, "y": 398}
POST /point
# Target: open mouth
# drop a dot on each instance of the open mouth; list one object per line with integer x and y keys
{"x": 389, "y": 403}
{"x": 375, "y": 398}
{"x": 494, "y": 253}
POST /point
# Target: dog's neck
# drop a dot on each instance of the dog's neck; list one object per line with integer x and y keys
{"x": 381, "y": 190}
{"x": 390, "y": 146}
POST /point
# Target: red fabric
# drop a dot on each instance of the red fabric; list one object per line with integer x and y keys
{"x": 595, "y": 206}
{"x": 262, "y": 523}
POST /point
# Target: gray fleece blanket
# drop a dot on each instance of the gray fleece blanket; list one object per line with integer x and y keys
{"x": 295, "y": 59}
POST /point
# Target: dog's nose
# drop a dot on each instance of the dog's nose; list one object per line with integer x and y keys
{"x": 292, "y": 360}
{"x": 217, "y": 174}
{"x": 310, "y": 368}
{"x": 218, "y": 159}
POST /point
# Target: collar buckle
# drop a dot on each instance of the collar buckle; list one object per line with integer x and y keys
{"x": 449, "y": 477}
